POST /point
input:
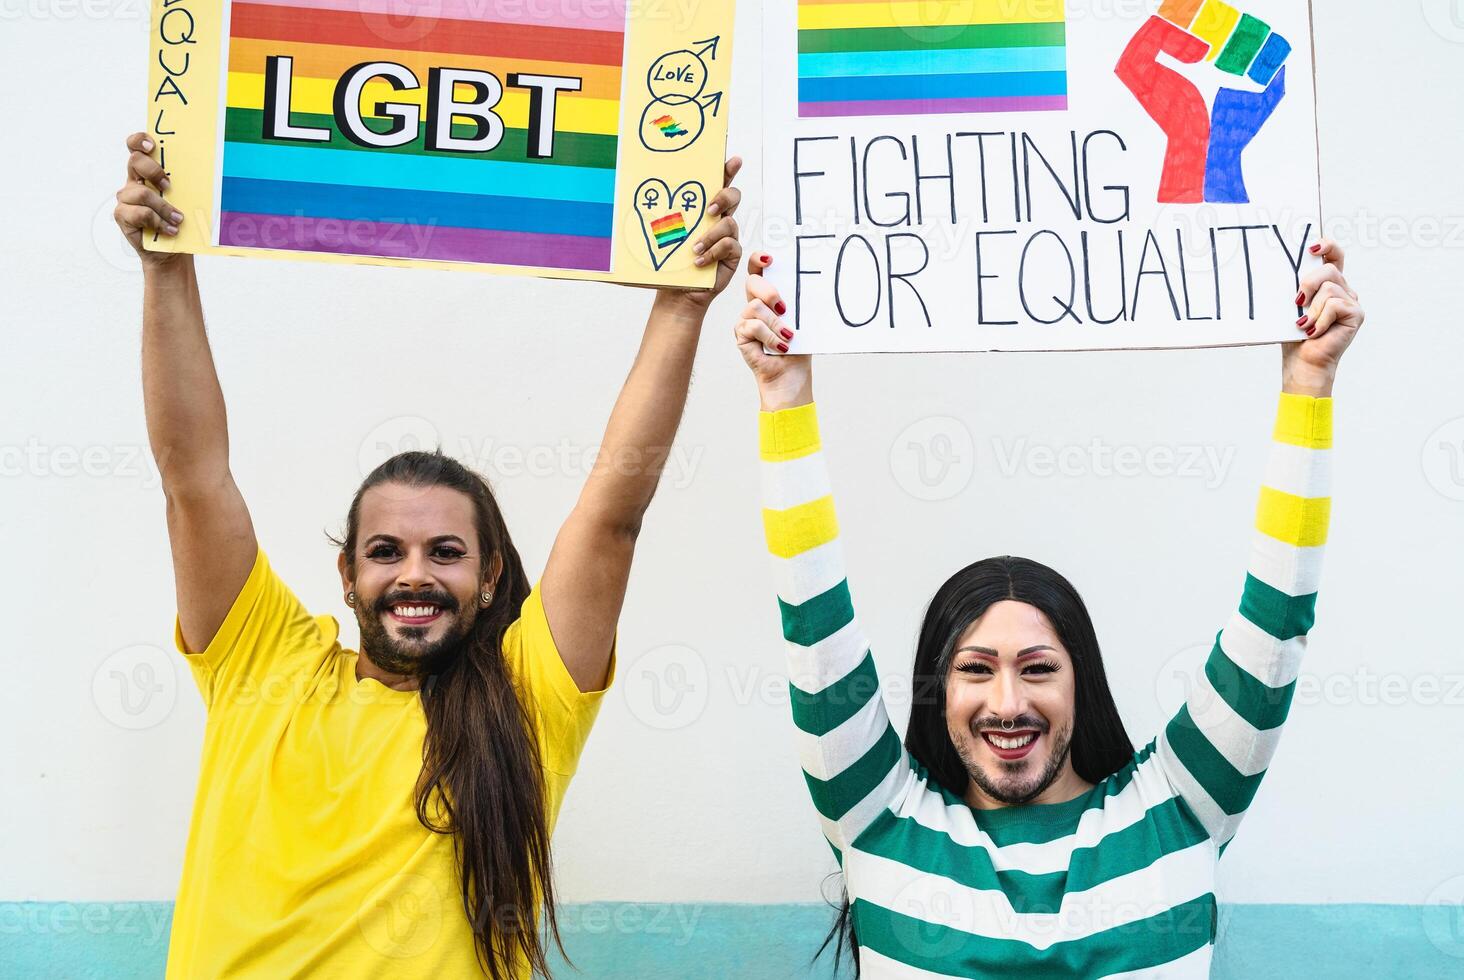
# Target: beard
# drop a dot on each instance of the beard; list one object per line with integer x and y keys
{"x": 408, "y": 652}
{"x": 1006, "y": 784}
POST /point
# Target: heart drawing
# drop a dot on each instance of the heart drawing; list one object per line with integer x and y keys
{"x": 669, "y": 217}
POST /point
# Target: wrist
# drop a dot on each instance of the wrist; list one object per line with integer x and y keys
{"x": 1311, "y": 383}
{"x": 166, "y": 266}
{"x": 780, "y": 398}
{"x": 681, "y": 305}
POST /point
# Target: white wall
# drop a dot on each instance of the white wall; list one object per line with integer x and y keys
{"x": 322, "y": 363}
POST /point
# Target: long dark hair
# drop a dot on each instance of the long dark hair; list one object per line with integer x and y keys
{"x": 481, "y": 779}
{"x": 1100, "y": 747}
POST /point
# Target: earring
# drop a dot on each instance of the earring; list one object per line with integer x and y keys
{"x": 487, "y": 598}
{"x": 350, "y": 598}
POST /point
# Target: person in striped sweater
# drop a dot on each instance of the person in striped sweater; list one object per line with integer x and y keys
{"x": 1015, "y": 830}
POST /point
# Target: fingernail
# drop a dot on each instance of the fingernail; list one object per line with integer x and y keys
{"x": 699, "y": 248}
{"x": 765, "y": 259}
{"x": 165, "y": 183}
{"x": 700, "y": 260}
{"x": 780, "y": 308}
{"x": 1300, "y": 298}
{"x": 714, "y": 209}
{"x": 147, "y": 146}
{"x": 171, "y": 229}
{"x": 1316, "y": 249}
{"x": 1302, "y": 321}
{"x": 177, "y": 218}
{"x": 1310, "y": 331}
{"x": 787, "y": 334}
{"x": 783, "y": 348}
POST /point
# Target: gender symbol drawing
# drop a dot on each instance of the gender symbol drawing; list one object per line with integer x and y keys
{"x": 669, "y": 217}
{"x": 1203, "y": 159}
{"x": 676, "y": 115}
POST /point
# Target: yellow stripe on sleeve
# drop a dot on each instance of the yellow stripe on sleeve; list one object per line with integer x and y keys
{"x": 1293, "y": 520}
{"x": 1304, "y": 421}
{"x": 789, "y": 434}
{"x": 798, "y": 529}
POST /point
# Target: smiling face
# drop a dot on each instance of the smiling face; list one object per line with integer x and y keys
{"x": 418, "y": 575}
{"x": 1010, "y": 708}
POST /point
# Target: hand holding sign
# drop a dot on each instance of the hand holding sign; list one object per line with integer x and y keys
{"x": 1203, "y": 159}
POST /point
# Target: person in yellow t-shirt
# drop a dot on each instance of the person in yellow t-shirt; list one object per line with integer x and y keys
{"x": 388, "y": 813}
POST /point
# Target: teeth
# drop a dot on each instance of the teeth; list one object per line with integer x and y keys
{"x": 1010, "y": 743}
{"x": 414, "y": 612}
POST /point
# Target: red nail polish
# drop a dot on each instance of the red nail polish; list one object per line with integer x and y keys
{"x": 780, "y": 308}
{"x": 1302, "y": 321}
{"x": 787, "y": 334}
{"x": 1310, "y": 331}
{"x": 783, "y": 348}
{"x": 1300, "y": 298}
{"x": 1316, "y": 249}
{"x": 765, "y": 259}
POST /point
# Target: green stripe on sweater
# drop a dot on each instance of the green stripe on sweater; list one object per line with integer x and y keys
{"x": 1263, "y": 706}
{"x": 1279, "y": 614}
{"x": 1225, "y": 784}
{"x": 837, "y": 796}
{"x": 819, "y": 714}
{"x": 819, "y": 618}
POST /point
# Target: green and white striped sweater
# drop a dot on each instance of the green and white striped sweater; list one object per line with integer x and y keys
{"x": 1121, "y": 880}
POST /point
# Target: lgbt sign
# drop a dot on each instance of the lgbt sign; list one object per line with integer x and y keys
{"x": 1038, "y": 175}
{"x": 578, "y": 138}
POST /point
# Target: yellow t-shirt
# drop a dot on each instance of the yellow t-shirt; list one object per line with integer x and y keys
{"x": 305, "y": 855}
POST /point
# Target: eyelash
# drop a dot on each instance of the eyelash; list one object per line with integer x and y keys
{"x": 979, "y": 669}
{"x": 385, "y": 550}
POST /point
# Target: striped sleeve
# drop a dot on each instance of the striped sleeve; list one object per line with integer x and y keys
{"x": 1216, "y": 749}
{"x": 853, "y": 761}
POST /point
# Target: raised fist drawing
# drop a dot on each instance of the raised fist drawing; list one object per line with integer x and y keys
{"x": 1202, "y": 161}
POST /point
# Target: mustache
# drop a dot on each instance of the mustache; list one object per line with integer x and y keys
{"x": 991, "y": 723}
{"x": 442, "y": 600}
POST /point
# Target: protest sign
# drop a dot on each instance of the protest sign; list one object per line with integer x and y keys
{"x": 1035, "y": 175}
{"x": 574, "y": 138}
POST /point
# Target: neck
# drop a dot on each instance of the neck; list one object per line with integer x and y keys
{"x": 366, "y": 667}
{"x": 1067, "y": 786}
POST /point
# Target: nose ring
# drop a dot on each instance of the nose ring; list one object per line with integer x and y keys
{"x": 1008, "y": 724}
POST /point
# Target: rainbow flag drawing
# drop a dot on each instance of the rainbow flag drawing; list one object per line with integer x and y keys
{"x": 669, "y": 126}
{"x": 503, "y": 206}
{"x": 903, "y": 57}
{"x": 669, "y": 230}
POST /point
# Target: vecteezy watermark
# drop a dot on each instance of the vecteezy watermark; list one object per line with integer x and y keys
{"x": 1445, "y": 17}
{"x": 1177, "y": 682}
{"x": 147, "y": 921}
{"x": 933, "y": 458}
{"x": 631, "y": 919}
{"x": 411, "y": 433}
{"x": 403, "y": 918}
{"x": 136, "y": 687}
{"x": 667, "y": 688}
{"x": 65, "y": 10}
{"x": 1443, "y": 459}
{"x": 1443, "y": 917}
{"x": 1097, "y": 458}
{"x": 41, "y": 460}
{"x": 402, "y": 434}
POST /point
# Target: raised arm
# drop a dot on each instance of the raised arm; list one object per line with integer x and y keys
{"x": 589, "y": 567}
{"x": 209, "y": 528}
{"x": 852, "y": 758}
{"x": 1217, "y": 749}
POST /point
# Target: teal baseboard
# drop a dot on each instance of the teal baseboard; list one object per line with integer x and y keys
{"x": 633, "y": 941}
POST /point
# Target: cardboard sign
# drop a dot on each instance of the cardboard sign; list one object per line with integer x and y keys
{"x": 577, "y": 139}
{"x": 1029, "y": 175}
